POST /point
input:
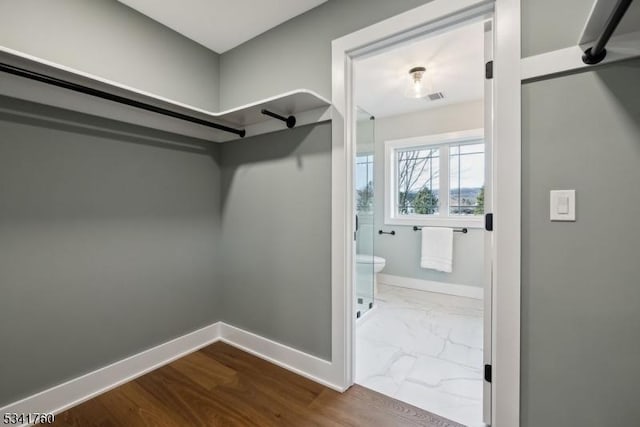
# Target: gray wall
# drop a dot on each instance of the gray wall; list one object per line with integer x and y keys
{"x": 110, "y": 40}
{"x": 580, "y": 281}
{"x": 580, "y": 293}
{"x": 109, "y": 243}
{"x": 276, "y": 221}
{"x": 297, "y": 54}
{"x": 402, "y": 251}
{"x": 550, "y": 24}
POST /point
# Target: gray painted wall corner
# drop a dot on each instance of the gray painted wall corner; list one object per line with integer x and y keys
{"x": 276, "y": 221}
{"x": 109, "y": 242}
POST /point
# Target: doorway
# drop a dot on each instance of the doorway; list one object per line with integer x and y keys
{"x": 421, "y": 186}
{"x": 502, "y": 401}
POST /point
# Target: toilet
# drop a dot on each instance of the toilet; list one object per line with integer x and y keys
{"x": 363, "y": 268}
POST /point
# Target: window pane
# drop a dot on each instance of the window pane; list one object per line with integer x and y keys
{"x": 364, "y": 183}
{"x": 466, "y": 180}
{"x": 418, "y": 181}
{"x": 472, "y": 148}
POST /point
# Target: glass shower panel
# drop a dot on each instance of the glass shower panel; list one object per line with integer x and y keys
{"x": 365, "y": 147}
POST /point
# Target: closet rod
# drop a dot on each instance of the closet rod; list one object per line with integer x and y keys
{"x": 17, "y": 71}
{"x": 597, "y": 52}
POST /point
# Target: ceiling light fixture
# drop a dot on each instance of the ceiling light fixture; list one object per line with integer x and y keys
{"x": 417, "y": 87}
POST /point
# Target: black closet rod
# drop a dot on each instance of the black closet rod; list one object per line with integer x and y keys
{"x": 597, "y": 52}
{"x": 17, "y": 71}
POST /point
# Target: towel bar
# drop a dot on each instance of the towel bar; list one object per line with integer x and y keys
{"x": 455, "y": 230}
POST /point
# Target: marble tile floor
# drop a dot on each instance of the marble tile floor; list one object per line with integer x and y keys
{"x": 425, "y": 349}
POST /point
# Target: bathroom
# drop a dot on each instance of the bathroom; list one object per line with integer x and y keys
{"x": 420, "y": 191}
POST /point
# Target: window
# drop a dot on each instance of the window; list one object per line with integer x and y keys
{"x": 466, "y": 178}
{"x": 364, "y": 183}
{"x": 435, "y": 180}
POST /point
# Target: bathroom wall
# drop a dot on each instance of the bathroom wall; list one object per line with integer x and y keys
{"x": 580, "y": 293}
{"x": 297, "y": 53}
{"x": 276, "y": 221}
{"x": 109, "y": 242}
{"x": 110, "y": 40}
{"x": 402, "y": 251}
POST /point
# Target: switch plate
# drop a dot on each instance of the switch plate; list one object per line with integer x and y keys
{"x": 563, "y": 205}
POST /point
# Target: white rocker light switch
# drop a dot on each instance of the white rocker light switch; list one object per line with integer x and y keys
{"x": 563, "y": 205}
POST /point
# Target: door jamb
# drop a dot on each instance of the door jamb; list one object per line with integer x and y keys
{"x": 505, "y": 398}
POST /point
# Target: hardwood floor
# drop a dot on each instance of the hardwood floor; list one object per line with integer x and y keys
{"x": 223, "y": 386}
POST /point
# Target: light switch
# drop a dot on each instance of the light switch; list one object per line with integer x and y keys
{"x": 563, "y": 205}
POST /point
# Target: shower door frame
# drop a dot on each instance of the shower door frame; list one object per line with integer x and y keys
{"x": 506, "y": 177}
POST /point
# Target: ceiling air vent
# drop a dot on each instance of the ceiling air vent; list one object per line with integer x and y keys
{"x": 435, "y": 96}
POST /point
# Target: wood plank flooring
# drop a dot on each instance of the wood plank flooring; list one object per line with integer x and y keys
{"x": 223, "y": 386}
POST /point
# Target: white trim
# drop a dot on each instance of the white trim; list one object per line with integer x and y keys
{"x": 439, "y": 140}
{"x": 97, "y": 79}
{"x": 489, "y": 131}
{"x": 73, "y": 392}
{"x": 475, "y": 292}
{"x": 507, "y": 178}
{"x": 569, "y": 59}
{"x": 306, "y": 365}
{"x": 306, "y": 105}
{"x": 506, "y": 175}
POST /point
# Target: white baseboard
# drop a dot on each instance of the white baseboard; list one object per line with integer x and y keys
{"x": 432, "y": 286}
{"x": 73, "y": 392}
{"x": 306, "y": 365}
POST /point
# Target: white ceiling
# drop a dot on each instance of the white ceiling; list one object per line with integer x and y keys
{"x": 454, "y": 62}
{"x": 221, "y": 25}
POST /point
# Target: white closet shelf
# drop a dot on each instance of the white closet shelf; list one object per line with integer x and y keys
{"x": 305, "y": 105}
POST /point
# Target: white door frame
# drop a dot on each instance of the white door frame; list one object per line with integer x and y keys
{"x": 506, "y": 173}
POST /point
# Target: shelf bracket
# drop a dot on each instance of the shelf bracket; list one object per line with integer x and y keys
{"x": 290, "y": 121}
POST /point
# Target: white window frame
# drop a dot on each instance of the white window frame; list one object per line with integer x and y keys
{"x": 443, "y": 219}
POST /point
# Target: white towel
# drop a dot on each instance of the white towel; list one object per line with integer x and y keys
{"x": 437, "y": 249}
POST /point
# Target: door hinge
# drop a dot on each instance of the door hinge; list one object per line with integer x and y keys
{"x": 488, "y": 222}
{"x": 487, "y": 373}
{"x": 488, "y": 70}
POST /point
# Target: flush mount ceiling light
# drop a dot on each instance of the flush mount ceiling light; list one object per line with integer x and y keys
{"x": 417, "y": 86}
